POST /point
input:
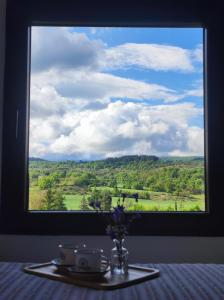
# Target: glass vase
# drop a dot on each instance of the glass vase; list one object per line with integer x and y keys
{"x": 119, "y": 258}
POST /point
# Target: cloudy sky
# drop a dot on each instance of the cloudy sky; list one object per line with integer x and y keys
{"x": 106, "y": 92}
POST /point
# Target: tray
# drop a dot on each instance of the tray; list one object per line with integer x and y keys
{"x": 107, "y": 282}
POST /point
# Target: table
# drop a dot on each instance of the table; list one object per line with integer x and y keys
{"x": 177, "y": 281}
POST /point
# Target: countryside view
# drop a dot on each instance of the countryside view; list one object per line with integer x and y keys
{"x": 114, "y": 112}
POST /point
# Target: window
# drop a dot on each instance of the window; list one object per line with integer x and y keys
{"x": 21, "y": 18}
{"x": 116, "y": 110}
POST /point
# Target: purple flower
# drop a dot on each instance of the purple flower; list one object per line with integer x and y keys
{"x": 92, "y": 203}
{"x": 118, "y": 221}
{"x": 97, "y": 204}
{"x": 118, "y": 211}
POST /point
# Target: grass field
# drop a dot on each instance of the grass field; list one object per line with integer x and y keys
{"x": 72, "y": 202}
{"x": 158, "y": 201}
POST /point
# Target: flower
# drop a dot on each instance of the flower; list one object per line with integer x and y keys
{"x": 118, "y": 220}
{"x": 97, "y": 204}
{"x": 118, "y": 211}
{"x": 92, "y": 203}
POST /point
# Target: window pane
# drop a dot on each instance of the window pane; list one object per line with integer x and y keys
{"x": 116, "y": 110}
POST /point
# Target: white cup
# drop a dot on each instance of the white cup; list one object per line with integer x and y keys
{"x": 90, "y": 260}
{"x": 66, "y": 253}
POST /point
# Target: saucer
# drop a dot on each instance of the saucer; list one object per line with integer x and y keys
{"x": 72, "y": 270}
{"x": 59, "y": 263}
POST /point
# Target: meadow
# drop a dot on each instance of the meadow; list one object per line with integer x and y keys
{"x": 175, "y": 184}
{"x": 73, "y": 202}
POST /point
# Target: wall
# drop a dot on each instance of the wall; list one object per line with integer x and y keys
{"x": 142, "y": 249}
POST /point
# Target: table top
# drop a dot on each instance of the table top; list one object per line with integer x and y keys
{"x": 177, "y": 281}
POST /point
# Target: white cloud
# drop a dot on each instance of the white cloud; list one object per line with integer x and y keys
{"x": 157, "y": 57}
{"x": 61, "y": 47}
{"x": 119, "y": 129}
{"x": 197, "y": 92}
{"x": 95, "y": 86}
{"x": 75, "y": 108}
{"x": 197, "y": 53}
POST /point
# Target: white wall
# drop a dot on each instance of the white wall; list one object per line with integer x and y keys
{"x": 142, "y": 249}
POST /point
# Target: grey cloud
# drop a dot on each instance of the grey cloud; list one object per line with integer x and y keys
{"x": 115, "y": 144}
{"x": 57, "y": 47}
{"x": 81, "y": 89}
{"x": 175, "y": 137}
{"x": 95, "y": 106}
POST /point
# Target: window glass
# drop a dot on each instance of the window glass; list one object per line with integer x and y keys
{"x": 116, "y": 111}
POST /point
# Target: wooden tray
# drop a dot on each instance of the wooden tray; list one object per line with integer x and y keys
{"x": 107, "y": 282}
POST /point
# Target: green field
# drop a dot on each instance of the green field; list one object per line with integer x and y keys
{"x": 158, "y": 201}
{"x": 72, "y": 202}
{"x": 161, "y": 184}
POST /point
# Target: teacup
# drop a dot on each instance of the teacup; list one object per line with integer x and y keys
{"x": 90, "y": 260}
{"x": 66, "y": 253}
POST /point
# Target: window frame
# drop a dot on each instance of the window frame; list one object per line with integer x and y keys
{"x": 14, "y": 216}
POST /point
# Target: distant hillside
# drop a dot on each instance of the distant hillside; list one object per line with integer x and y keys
{"x": 128, "y": 161}
{"x": 123, "y": 161}
{"x": 36, "y": 159}
{"x": 132, "y": 158}
{"x": 182, "y": 158}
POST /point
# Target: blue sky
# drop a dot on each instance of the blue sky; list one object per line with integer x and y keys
{"x": 102, "y": 92}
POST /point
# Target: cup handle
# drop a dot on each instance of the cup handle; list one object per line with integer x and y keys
{"x": 106, "y": 260}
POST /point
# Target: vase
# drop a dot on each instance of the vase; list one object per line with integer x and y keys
{"x": 119, "y": 258}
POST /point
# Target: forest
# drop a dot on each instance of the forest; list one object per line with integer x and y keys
{"x": 162, "y": 183}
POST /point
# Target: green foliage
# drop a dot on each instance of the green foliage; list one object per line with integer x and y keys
{"x": 195, "y": 208}
{"x": 53, "y": 200}
{"x": 47, "y": 182}
{"x": 106, "y": 200}
{"x": 170, "y": 208}
{"x": 85, "y": 179}
{"x": 103, "y": 196}
{"x": 84, "y": 204}
{"x": 176, "y": 180}
{"x": 137, "y": 207}
{"x": 36, "y": 198}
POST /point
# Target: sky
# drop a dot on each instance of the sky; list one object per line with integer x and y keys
{"x": 108, "y": 92}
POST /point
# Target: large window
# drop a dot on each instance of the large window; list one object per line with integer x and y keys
{"x": 103, "y": 99}
{"x": 116, "y": 110}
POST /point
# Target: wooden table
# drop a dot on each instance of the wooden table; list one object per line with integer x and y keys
{"x": 177, "y": 281}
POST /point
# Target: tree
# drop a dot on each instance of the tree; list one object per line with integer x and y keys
{"x": 104, "y": 197}
{"x": 84, "y": 205}
{"x": 53, "y": 200}
{"x": 113, "y": 182}
{"x": 47, "y": 182}
{"x": 85, "y": 179}
{"x": 106, "y": 200}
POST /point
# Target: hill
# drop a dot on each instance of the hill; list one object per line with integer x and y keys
{"x": 36, "y": 159}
